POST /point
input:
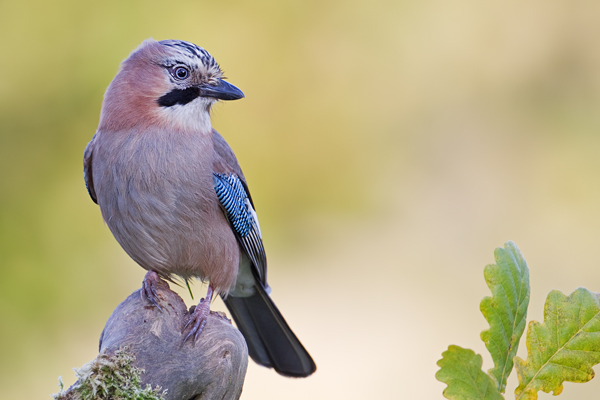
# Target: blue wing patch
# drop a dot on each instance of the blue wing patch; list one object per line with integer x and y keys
{"x": 233, "y": 198}
{"x": 238, "y": 207}
{"x": 240, "y": 213}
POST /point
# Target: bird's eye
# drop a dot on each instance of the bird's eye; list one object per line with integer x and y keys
{"x": 180, "y": 72}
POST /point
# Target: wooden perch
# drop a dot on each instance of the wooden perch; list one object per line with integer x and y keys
{"x": 212, "y": 368}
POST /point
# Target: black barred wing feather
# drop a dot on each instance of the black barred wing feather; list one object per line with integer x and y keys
{"x": 241, "y": 215}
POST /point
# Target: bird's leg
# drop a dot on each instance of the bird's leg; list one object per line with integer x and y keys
{"x": 149, "y": 288}
{"x": 199, "y": 316}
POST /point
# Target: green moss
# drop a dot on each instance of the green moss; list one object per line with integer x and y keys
{"x": 110, "y": 377}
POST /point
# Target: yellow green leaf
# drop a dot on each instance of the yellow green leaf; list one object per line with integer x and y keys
{"x": 506, "y": 310}
{"x": 562, "y": 349}
{"x": 461, "y": 370}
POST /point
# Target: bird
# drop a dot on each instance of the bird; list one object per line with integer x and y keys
{"x": 173, "y": 195}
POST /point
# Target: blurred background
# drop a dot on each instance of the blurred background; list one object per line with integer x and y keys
{"x": 390, "y": 146}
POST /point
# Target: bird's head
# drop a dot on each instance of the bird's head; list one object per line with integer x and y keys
{"x": 170, "y": 83}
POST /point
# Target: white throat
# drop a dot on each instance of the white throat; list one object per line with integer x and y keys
{"x": 194, "y": 116}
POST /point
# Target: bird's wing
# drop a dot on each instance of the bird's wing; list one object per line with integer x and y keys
{"x": 242, "y": 217}
{"x": 234, "y": 196}
{"x": 87, "y": 170}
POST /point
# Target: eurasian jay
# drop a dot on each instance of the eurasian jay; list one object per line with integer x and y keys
{"x": 172, "y": 193}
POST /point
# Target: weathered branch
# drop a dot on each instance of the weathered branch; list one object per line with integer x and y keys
{"x": 212, "y": 368}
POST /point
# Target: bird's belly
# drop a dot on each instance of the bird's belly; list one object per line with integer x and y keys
{"x": 167, "y": 218}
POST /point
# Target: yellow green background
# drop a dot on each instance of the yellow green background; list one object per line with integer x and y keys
{"x": 390, "y": 146}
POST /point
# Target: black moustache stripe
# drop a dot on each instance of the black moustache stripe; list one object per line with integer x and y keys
{"x": 178, "y": 96}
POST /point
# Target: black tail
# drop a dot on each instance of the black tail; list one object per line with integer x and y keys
{"x": 270, "y": 340}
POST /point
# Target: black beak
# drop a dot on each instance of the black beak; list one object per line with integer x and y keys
{"x": 222, "y": 91}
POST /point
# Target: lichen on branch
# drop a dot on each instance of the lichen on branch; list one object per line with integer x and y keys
{"x": 112, "y": 377}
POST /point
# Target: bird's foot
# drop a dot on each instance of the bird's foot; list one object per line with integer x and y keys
{"x": 149, "y": 284}
{"x": 199, "y": 317}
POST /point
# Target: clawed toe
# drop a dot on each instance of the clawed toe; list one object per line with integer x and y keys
{"x": 197, "y": 320}
{"x": 199, "y": 317}
{"x": 149, "y": 288}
